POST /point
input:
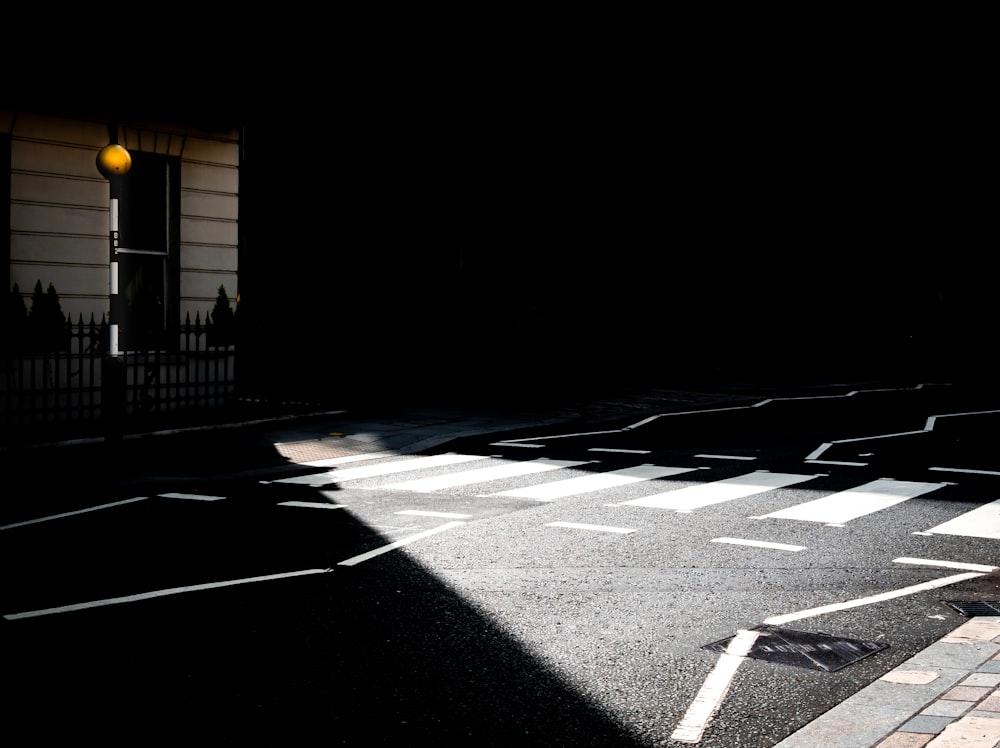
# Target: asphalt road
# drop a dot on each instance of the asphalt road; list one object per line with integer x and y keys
{"x": 551, "y": 587}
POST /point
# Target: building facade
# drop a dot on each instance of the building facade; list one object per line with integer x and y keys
{"x": 179, "y": 207}
{"x": 159, "y": 257}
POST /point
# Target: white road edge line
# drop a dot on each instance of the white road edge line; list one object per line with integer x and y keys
{"x": 192, "y": 496}
{"x": 714, "y": 689}
{"x": 835, "y": 607}
{"x": 760, "y": 544}
{"x": 965, "y": 470}
{"x": 312, "y": 504}
{"x": 598, "y": 528}
{"x": 692, "y": 726}
{"x": 159, "y": 593}
{"x": 355, "y": 560}
{"x": 944, "y": 564}
{"x": 928, "y": 428}
{"x": 70, "y": 514}
{"x": 228, "y": 583}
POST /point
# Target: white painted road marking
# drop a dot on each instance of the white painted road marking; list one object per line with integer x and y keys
{"x": 983, "y": 522}
{"x": 355, "y": 560}
{"x": 760, "y": 544}
{"x": 384, "y": 468}
{"x": 929, "y": 425}
{"x": 944, "y": 564}
{"x": 593, "y": 482}
{"x": 312, "y": 504}
{"x": 965, "y": 470}
{"x": 192, "y": 496}
{"x": 705, "y": 494}
{"x": 330, "y": 461}
{"x": 692, "y": 726}
{"x": 505, "y": 470}
{"x": 445, "y": 515}
{"x": 598, "y": 528}
{"x": 725, "y": 457}
{"x": 835, "y": 607}
{"x": 159, "y": 593}
{"x": 73, "y": 513}
{"x": 841, "y": 507}
{"x": 714, "y": 689}
{"x": 837, "y": 462}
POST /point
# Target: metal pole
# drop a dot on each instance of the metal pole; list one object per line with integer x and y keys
{"x": 114, "y": 313}
{"x": 113, "y": 162}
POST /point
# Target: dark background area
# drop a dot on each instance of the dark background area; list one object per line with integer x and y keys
{"x": 538, "y": 218}
{"x": 542, "y": 233}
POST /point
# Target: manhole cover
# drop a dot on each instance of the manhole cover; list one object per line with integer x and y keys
{"x": 975, "y": 609}
{"x": 804, "y": 649}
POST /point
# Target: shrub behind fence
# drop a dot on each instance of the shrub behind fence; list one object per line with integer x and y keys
{"x": 59, "y": 391}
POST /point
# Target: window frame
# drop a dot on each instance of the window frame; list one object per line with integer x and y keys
{"x": 149, "y": 252}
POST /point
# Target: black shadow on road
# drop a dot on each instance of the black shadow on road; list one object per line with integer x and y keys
{"x": 380, "y": 653}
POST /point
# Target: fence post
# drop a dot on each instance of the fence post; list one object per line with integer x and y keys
{"x": 113, "y": 399}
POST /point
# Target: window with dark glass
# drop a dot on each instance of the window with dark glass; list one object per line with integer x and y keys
{"x": 148, "y": 258}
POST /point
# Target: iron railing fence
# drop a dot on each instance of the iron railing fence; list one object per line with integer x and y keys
{"x": 64, "y": 390}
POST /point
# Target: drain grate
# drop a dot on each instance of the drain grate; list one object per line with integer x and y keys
{"x": 804, "y": 649}
{"x": 975, "y": 609}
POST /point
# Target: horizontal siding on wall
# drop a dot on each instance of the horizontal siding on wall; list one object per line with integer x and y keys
{"x": 72, "y": 250}
{"x": 59, "y": 189}
{"x": 81, "y": 290}
{"x": 210, "y": 178}
{"x": 59, "y": 212}
{"x": 201, "y": 285}
{"x": 209, "y": 205}
{"x": 195, "y": 231}
{"x": 212, "y": 151}
{"x": 86, "y": 133}
{"x": 59, "y": 208}
{"x": 57, "y": 220}
{"x": 212, "y": 259}
{"x": 51, "y": 158}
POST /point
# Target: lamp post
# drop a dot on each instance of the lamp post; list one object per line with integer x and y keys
{"x": 113, "y": 162}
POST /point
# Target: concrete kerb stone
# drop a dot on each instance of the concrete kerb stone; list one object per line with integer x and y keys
{"x": 900, "y": 698}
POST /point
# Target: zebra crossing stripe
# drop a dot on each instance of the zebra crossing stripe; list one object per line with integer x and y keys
{"x": 841, "y": 507}
{"x": 592, "y": 482}
{"x": 384, "y": 468}
{"x": 464, "y": 478}
{"x": 705, "y": 494}
{"x": 983, "y": 522}
{"x": 834, "y": 509}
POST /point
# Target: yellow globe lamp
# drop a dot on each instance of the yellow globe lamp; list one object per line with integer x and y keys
{"x": 113, "y": 161}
